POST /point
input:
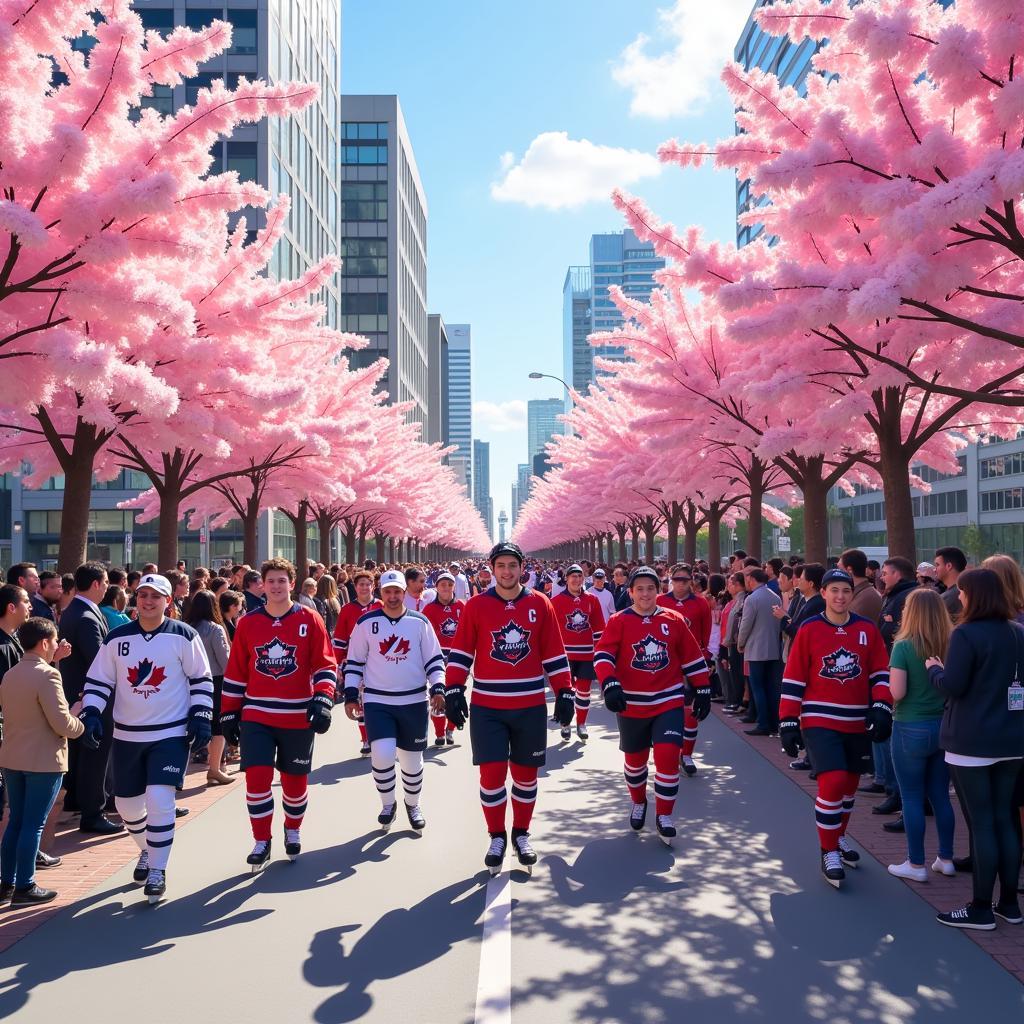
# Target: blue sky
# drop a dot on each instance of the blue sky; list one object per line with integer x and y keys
{"x": 499, "y": 99}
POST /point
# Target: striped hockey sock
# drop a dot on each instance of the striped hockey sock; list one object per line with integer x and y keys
{"x": 159, "y": 824}
{"x": 259, "y": 800}
{"x": 493, "y": 797}
{"x": 524, "y": 795}
{"x": 852, "y": 782}
{"x": 582, "y": 701}
{"x": 439, "y": 722}
{"x": 828, "y": 808}
{"x": 666, "y": 777}
{"x": 689, "y": 734}
{"x": 635, "y": 770}
{"x": 382, "y": 763}
{"x": 133, "y": 813}
{"x": 412, "y": 774}
{"x": 293, "y": 798}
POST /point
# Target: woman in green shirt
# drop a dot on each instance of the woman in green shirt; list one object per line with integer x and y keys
{"x": 917, "y": 757}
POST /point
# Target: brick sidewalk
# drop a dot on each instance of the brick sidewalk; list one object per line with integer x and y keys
{"x": 1005, "y": 945}
{"x": 89, "y": 860}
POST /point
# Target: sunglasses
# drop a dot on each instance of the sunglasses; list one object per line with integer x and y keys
{"x": 682, "y": 579}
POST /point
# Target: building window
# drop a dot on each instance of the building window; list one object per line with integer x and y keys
{"x": 243, "y": 34}
{"x": 157, "y": 19}
{"x": 161, "y": 100}
{"x": 241, "y": 157}
{"x": 198, "y": 82}
{"x": 364, "y": 257}
{"x": 197, "y": 20}
{"x": 1002, "y": 465}
{"x": 998, "y": 501}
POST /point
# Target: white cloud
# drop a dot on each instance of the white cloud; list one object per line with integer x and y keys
{"x": 499, "y": 417}
{"x": 676, "y": 78}
{"x": 561, "y": 173}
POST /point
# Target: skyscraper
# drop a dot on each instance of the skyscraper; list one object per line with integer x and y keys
{"x": 460, "y": 400}
{"x": 515, "y": 505}
{"x": 523, "y": 471}
{"x": 482, "y": 482}
{"x": 542, "y": 422}
{"x": 384, "y": 246}
{"x": 577, "y": 355}
{"x": 437, "y": 380}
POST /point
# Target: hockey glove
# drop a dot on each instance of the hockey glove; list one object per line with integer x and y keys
{"x": 455, "y": 706}
{"x": 231, "y": 727}
{"x": 790, "y": 736}
{"x": 200, "y": 727}
{"x": 351, "y": 695}
{"x": 614, "y": 698}
{"x": 565, "y": 706}
{"x": 878, "y": 722}
{"x": 93, "y": 722}
{"x": 319, "y": 713}
{"x": 700, "y": 698}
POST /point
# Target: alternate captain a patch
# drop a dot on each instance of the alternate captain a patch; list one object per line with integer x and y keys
{"x": 510, "y": 644}
{"x": 275, "y": 658}
{"x": 650, "y": 654}
{"x": 841, "y": 665}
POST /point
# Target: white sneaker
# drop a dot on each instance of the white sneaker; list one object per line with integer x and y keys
{"x": 943, "y": 867}
{"x": 907, "y": 870}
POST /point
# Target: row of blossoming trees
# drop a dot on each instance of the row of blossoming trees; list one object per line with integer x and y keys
{"x": 877, "y": 322}
{"x": 139, "y": 331}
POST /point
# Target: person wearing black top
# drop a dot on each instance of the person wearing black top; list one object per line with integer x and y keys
{"x": 982, "y": 733}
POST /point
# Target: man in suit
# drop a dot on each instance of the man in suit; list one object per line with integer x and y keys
{"x": 26, "y": 576}
{"x": 82, "y": 624}
{"x": 760, "y": 642}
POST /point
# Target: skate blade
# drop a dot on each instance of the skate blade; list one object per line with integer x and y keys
{"x": 495, "y": 871}
{"x": 293, "y": 857}
{"x": 851, "y": 864}
{"x": 154, "y": 900}
{"x": 667, "y": 840}
{"x": 834, "y": 882}
{"x": 258, "y": 868}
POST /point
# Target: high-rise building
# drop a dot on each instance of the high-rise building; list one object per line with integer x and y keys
{"x": 502, "y": 525}
{"x": 523, "y": 472}
{"x": 542, "y": 422}
{"x": 460, "y": 398}
{"x": 482, "y": 482}
{"x": 438, "y": 371}
{"x": 515, "y": 505}
{"x": 577, "y": 355}
{"x": 384, "y": 246}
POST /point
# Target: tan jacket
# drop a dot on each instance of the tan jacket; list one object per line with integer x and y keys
{"x": 37, "y": 723}
{"x": 867, "y": 601}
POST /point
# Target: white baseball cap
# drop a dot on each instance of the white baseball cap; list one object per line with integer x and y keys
{"x": 161, "y": 584}
{"x": 444, "y": 576}
{"x": 392, "y": 578}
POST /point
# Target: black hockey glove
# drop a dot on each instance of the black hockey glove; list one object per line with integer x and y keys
{"x": 565, "y": 706}
{"x": 231, "y": 727}
{"x": 790, "y": 736}
{"x": 614, "y": 698}
{"x": 319, "y": 713}
{"x": 200, "y": 727}
{"x": 351, "y": 695}
{"x": 878, "y": 722}
{"x": 93, "y": 722}
{"x": 700, "y": 699}
{"x": 455, "y": 706}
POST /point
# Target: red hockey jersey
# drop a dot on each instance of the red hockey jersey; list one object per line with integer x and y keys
{"x": 445, "y": 620}
{"x": 276, "y": 665}
{"x": 652, "y": 656}
{"x": 580, "y": 620}
{"x": 510, "y": 646}
{"x": 347, "y": 619}
{"x": 833, "y": 673}
{"x": 696, "y": 613}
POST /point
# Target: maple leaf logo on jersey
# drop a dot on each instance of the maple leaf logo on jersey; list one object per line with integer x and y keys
{"x": 650, "y": 654}
{"x": 510, "y": 644}
{"x": 578, "y": 622}
{"x": 395, "y": 648}
{"x": 449, "y": 627}
{"x": 841, "y": 665}
{"x": 146, "y": 678}
{"x": 276, "y": 659}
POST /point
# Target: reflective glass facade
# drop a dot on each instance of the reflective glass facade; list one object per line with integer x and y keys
{"x": 460, "y": 397}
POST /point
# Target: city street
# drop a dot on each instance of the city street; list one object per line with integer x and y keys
{"x": 734, "y": 923}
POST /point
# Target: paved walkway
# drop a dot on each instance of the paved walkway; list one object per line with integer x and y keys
{"x": 734, "y": 923}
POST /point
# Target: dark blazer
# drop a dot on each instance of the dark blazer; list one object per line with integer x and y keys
{"x": 41, "y": 608}
{"x": 892, "y": 610}
{"x": 83, "y": 628}
{"x": 622, "y": 598}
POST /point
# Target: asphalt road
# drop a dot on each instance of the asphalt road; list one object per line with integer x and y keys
{"x": 732, "y": 924}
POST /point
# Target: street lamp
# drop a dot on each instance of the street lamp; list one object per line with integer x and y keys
{"x": 534, "y": 375}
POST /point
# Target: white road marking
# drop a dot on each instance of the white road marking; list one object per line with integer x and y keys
{"x": 494, "y": 987}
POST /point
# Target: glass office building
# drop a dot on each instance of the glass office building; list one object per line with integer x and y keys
{"x": 460, "y": 402}
{"x": 577, "y": 355}
{"x": 482, "y": 483}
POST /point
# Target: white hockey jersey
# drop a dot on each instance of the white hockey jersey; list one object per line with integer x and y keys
{"x": 394, "y": 660}
{"x": 152, "y": 678}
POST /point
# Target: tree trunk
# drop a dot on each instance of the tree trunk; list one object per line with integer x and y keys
{"x": 815, "y": 516}
{"x": 672, "y": 536}
{"x": 378, "y": 543}
{"x": 326, "y": 523}
{"x": 250, "y": 533}
{"x": 634, "y": 541}
{"x": 620, "y": 528}
{"x": 714, "y": 539}
{"x": 690, "y": 528}
{"x": 350, "y": 542}
{"x": 894, "y": 468}
{"x": 648, "y": 528}
{"x": 755, "y": 518}
{"x": 74, "y": 520}
{"x": 167, "y": 537}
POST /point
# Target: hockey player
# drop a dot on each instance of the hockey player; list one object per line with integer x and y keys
{"x": 581, "y": 621}
{"x": 835, "y": 702}
{"x": 347, "y": 618}
{"x": 417, "y": 594}
{"x": 509, "y": 637}
{"x": 156, "y": 673}
{"x": 696, "y": 613}
{"x": 279, "y": 689}
{"x": 393, "y": 656}
{"x": 648, "y": 662}
{"x": 444, "y": 613}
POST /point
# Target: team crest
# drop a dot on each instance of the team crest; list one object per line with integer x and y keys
{"x": 276, "y": 659}
{"x": 841, "y": 665}
{"x": 394, "y": 649}
{"x": 510, "y": 644}
{"x": 650, "y": 655}
{"x": 449, "y": 627}
{"x": 577, "y": 622}
{"x": 146, "y": 678}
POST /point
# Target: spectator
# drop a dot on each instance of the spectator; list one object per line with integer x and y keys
{"x": 217, "y": 585}
{"x": 15, "y": 610}
{"x": 50, "y": 591}
{"x": 67, "y": 592}
{"x": 740, "y": 697}
{"x": 462, "y": 592}
{"x": 345, "y": 593}
{"x": 205, "y": 618}
{"x": 482, "y": 581}
{"x": 916, "y": 754}
{"x": 773, "y": 567}
{"x": 34, "y": 756}
{"x": 759, "y": 641}
{"x": 620, "y": 591}
{"x": 117, "y": 578}
{"x": 82, "y": 624}
{"x": 898, "y": 578}
{"x": 230, "y": 603}
{"x": 307, "y": 595}
{"x": 809, "y": 602}
{"x": 874, "y": 574}
{"x": 132, "y": 581}
{"x": 25, "y": 575}
{"x": 926, "y": 577}
{"x": 327, "y": 594}
{"x": 181, "y": 567}
{"x": 112, "y": 605}
{"x": 983, "y": 736}
{"x": 866, "y": 599}
{"x": 1012, "y": 578}
{"x": 949, "y": 563}
{"x": 179, "y": 593}
{"x": 252, "y": 589}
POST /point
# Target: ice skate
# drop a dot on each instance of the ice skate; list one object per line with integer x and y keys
{"x": 449, "y": 737}
{"x": 156, "y": 886}
{"x": 832, "y": 867}
{"x": 416, "y": 818}
{"x": 638, "y": 816}
{"x": 687, "y": 764}
{"x": 850, "y": 856}
{"x": 524, "y": 851}
{"x": 495, "y": 855}
{"x": 386, "y": 818}
{"x": 141, "y": 872}
{"x": 260, "y": 856}
{"x": 292, "y": 843}
{"x": 582, "y": 734}
{"x": 666, "y": 830}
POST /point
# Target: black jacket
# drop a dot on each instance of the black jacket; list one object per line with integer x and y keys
{"x": 892, "y": 606}
{"x": 984, "y": 658}
{"x": 84, "y": 628}
{"x": 806, "y": 609}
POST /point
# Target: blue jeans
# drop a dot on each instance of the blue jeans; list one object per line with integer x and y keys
{"x": 922, "y": 773}
{"x": 885, "y": 774}
{"x": 766, "y": 687}
{"x": 30, "y": 796}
